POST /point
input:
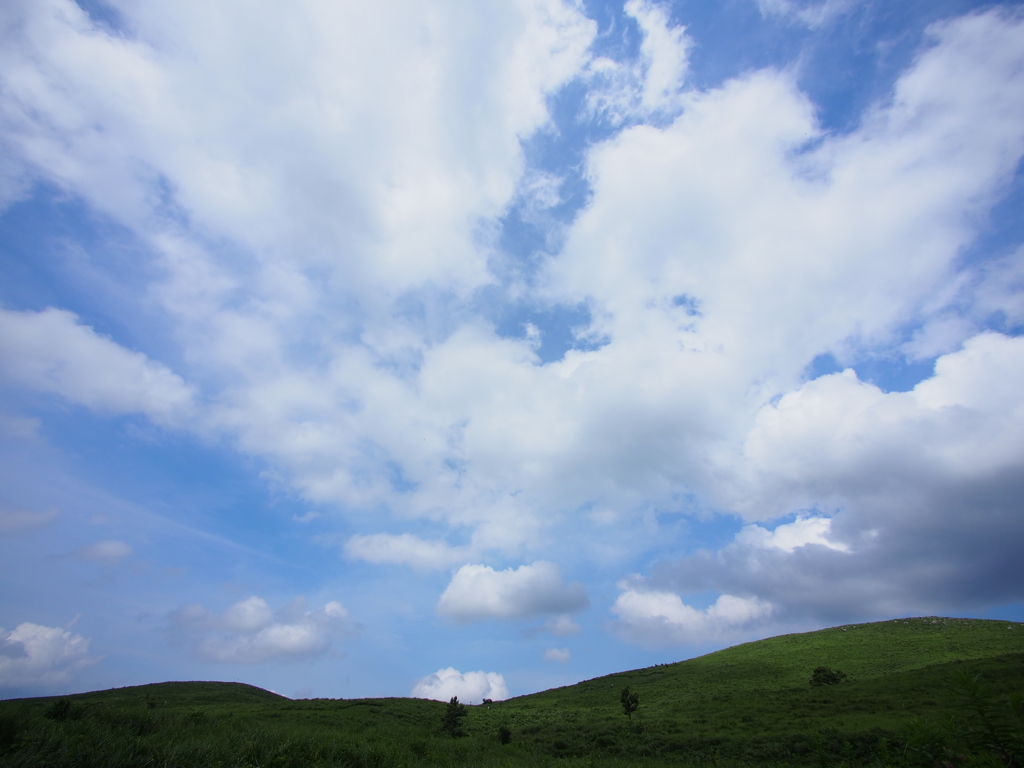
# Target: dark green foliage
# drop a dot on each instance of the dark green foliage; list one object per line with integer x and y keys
{"x": 827, "y": 676}
{"x": 630, "y": 701}
{"x": 196, "y": 717}
{"x": 504, "y": 734}
{"x": 451, "y": 723}
{"x": 749, "y": 705}
{"x": 10, "y": 731}
{"x": 987, "y": 731}
{"x": 62, "y": 709}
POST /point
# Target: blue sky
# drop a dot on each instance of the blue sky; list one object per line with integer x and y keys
{"x": 404, "y": 349}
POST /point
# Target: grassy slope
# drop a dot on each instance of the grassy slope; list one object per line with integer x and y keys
{"x": 748, "y": 704}
{"x": 759, "y": 692}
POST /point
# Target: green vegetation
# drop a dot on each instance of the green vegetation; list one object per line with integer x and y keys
{"x": 917, "y": 692}
{"x": 451, "y": 723}
{"x": 827, "y": 676}
{"x": 630, "y": 701}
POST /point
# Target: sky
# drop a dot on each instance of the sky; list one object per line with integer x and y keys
{"x": 431, "y": 348}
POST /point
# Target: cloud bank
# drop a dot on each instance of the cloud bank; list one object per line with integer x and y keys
{"x": 471, "y": 687}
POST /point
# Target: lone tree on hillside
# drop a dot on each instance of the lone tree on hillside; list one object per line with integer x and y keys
{"x": 451, "y": 723}
{"x": 826, "y": 676}
{"x": 630, "y": 701}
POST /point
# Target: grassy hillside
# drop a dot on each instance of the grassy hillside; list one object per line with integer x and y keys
{"x": 747, "y": 705}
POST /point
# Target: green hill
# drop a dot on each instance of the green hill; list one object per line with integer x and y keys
{"x": 751, "y": 704}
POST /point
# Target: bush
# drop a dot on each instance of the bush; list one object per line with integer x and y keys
{"x": 826, "y": 676}
{"x": 62, "y": 709}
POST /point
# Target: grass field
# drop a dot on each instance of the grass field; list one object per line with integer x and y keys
{"x": 747, "y": 705}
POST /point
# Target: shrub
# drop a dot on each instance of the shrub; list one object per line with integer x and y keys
{"x": 826, "y": 676}
{"x": 62, "y": 709}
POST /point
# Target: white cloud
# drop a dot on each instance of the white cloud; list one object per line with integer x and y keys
{"x": 561, "y": 655}
{"x": 50, "y": 351}
{"x": 651, "y": 86}
{"x": 316, "y": 259}
{"x": 655, "y": 618}
{"x": 479, "y": 592}
{"x": 471, "y": 687}
{"x": 18, "y": 520}
{"x": 109, "y": 116}
{"x": 34, "y": 655}
{"x": 110, "y": 551}
{"x": 248, "y": 632}
{"x": 990, "y": 291}
{"x": 787, "y": 537}
{"x": 665, "y": 53}
{"x": 250, "y": 615}
{"x": 562, "y": 626}
{"x": 925, "y": 485}
{"x": 404, "y": 549}
{"x": 840, "y": 438}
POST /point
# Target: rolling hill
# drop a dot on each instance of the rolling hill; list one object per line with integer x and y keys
{"x": 751, "y": 704}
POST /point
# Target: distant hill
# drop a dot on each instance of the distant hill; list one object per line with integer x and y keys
{"x": 183, "y": 694}
{"x": 751, "y": 704}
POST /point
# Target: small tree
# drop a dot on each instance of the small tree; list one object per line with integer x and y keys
{"x": 826, "y": 676}
{"x": 630, "y": 701}
{"x": 451, "y": 723}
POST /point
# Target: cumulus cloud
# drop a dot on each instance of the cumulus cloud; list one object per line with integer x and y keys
{"x": 50, "y": 351}
{"x": 110, "y": 551}
{"x": 471, "y": 687}
{"x": 925, "y": 488}
{"x": 561, "y": 655}
{"x": 32, "y": 655}
{"x": 925, "y": 485}
{"x": 404, "y": 549}
{"x": 479, "y": 592}
{"x": 324, "y": 288}
{"x": 655, "y": 618}
{"x": 837, "y": 438}
{"x": 248, "y": 632}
